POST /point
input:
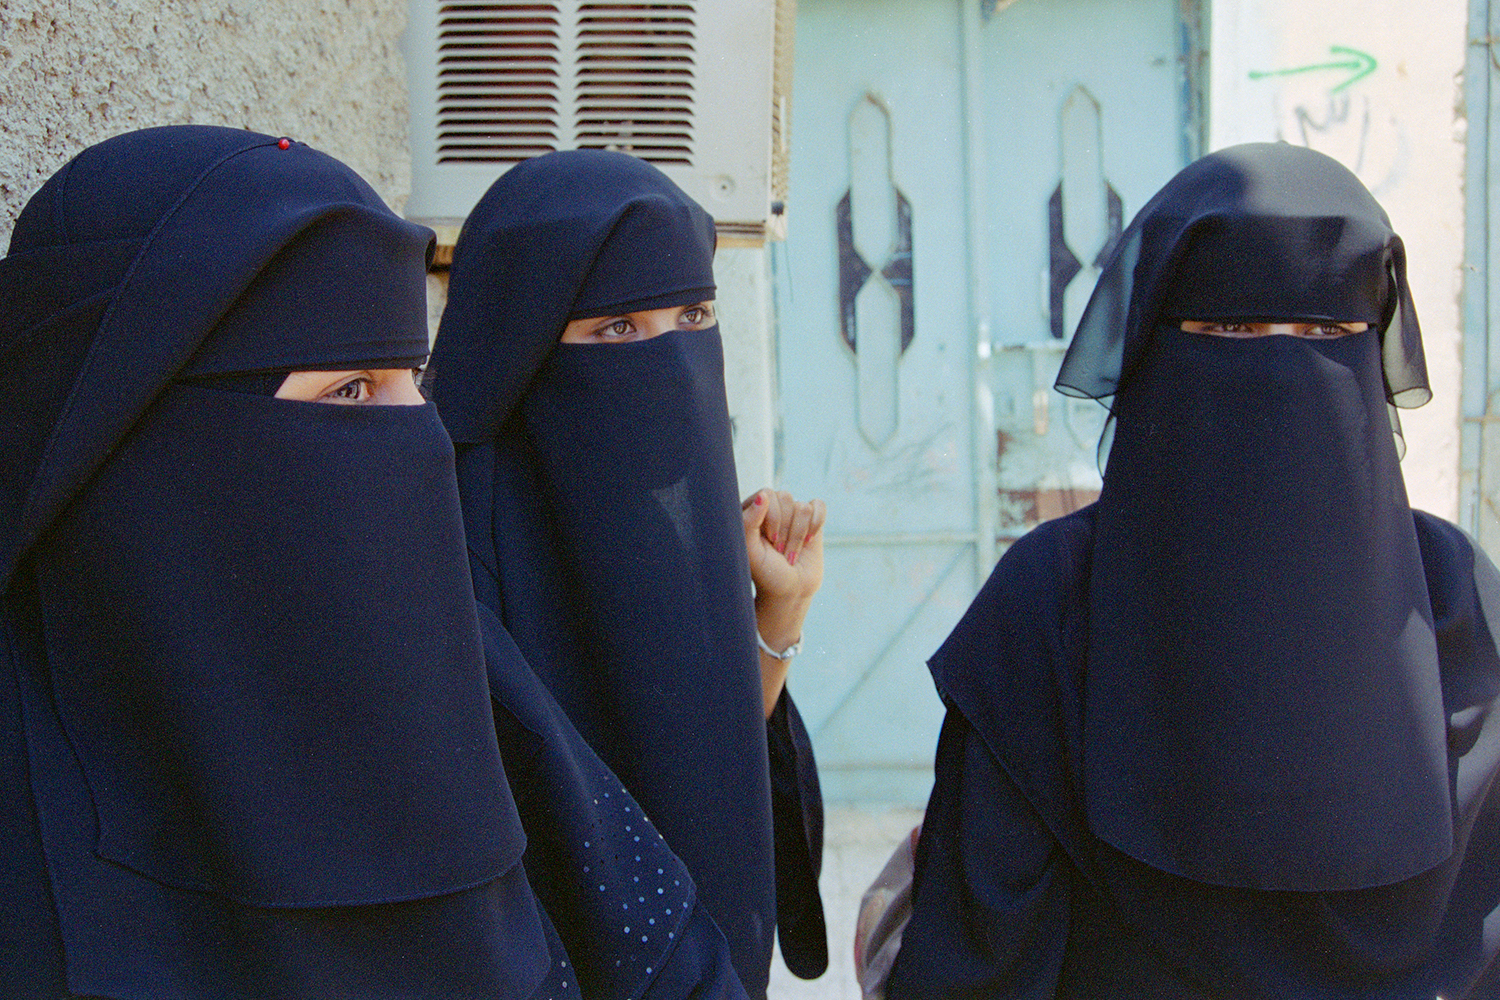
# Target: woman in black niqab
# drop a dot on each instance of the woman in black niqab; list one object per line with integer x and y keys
{"x": 251, "y": 747}
{"x": 1226, "y": 731}
{"x": 604, "y": 528}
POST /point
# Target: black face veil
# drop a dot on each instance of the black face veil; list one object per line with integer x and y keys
{"x": 1263, "y": 706}
{"x": 601, "y": 502}
{"x": 252, "y": 682}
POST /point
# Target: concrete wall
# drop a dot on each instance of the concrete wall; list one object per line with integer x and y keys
{"x": 327, "y": 72}
{"x": 1286, "y": 69}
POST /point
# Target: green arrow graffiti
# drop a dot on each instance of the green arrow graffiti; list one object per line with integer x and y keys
{"x": 1360, "y": 64}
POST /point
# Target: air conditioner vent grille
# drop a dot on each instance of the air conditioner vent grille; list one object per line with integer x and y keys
{"x": 500, "y": 81}
{"x": 697, "y": 87}
{"x": 518, "y": 79}
{"x": 636, "y": 68}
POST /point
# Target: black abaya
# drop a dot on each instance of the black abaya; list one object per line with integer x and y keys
{"x": 604, "y": 528}
{"x": 1016, "y": 896}
{"x": 247, "y": 698}
{"x": 1226, "y": 733}
{"x": 250, "y": 740}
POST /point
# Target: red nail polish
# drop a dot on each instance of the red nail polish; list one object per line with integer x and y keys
{"x": 760, "y": 499}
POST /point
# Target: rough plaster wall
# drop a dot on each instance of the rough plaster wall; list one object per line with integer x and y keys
{"x": 1277, "y": 74}
{"x": 327, "y": 72}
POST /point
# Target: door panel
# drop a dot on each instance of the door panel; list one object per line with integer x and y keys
{"x": 921, "y": 412}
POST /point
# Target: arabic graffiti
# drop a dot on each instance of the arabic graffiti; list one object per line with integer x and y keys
{"x": 1359, "y": 64}
{"x": 1340, "y": 116}
{"x": 1318, "y": 106}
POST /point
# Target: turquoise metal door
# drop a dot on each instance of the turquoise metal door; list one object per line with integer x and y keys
{"x": 957, "y": 174}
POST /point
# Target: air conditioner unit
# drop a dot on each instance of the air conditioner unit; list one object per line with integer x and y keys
{"x": 700, "y": 88}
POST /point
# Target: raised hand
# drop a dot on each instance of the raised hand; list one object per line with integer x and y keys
{"x": 784, "y": 540}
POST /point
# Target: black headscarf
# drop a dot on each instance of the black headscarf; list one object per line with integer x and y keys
{"x": 250, "y": 676}
{"x": 1249, "y": 233}
{"x": 569, "y": 235}
{"x": 1263, "y": 707}
{"x": 601, "y": 502}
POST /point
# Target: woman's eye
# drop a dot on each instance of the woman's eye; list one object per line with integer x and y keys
{"x": 354, "y": 391}
{"x": 1329, "y": 330}
{"x": 697, "y": 315}
{"x": 618, "y": 328}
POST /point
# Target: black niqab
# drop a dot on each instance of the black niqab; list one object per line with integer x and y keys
{"x": 1249, "y": 233}
{"x": 1263, "y": 704}
{"x": 563, "y": 236}
{"x": 249, "y": 677}
{"x": 1228, "y": 732}
{"x": 602, "y": 510}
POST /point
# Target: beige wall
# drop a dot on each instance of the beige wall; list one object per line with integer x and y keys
{"x": 327, "y": 72}
{"x": 1400, "y": 128}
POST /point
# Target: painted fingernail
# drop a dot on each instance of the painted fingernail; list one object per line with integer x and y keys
{"x": 792, "y": 559}
{"x": 760, "y": 499}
